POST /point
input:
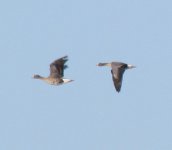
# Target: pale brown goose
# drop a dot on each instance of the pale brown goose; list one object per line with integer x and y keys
{"x": 117, "y": 71}
{"x": 56, "y": 72}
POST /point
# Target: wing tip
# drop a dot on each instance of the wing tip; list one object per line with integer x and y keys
{"x": 64, "y": 57}
{"x": 118, "y": 90}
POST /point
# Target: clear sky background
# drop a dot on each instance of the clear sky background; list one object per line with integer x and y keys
{"x": 87, "y": 114}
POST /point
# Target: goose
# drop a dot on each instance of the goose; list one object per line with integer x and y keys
{"x": 117, "y": 71}
{"x": 56, "y": 72}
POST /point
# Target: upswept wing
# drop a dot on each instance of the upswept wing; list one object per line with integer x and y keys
{"x": 57, "y": 67}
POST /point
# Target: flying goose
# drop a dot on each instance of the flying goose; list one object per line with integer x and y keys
{"x": 117, "y": 71}
{"x": 56, "y": 72}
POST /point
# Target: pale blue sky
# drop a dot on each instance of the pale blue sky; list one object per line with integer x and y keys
{"x": 87, "y": 114}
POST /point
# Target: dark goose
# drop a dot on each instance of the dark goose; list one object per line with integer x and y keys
{"x": 56, "y": 72}
{"x": 117, "y": 70}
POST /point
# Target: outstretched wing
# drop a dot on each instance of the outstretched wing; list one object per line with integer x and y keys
{"x": 117, "y": 75}
{"x": 57, "y": 67}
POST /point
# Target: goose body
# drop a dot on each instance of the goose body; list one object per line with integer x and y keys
{"x": 117, "y": 71}
{"x": 56, "y": 72}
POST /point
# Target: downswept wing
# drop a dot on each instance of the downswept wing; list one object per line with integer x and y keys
{"x": 117, "y": 76}
{"x": 57, "y": 67}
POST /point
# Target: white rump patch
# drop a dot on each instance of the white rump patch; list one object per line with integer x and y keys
{"x": 67, "y": 80}
{"x": 131, "y": 66}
